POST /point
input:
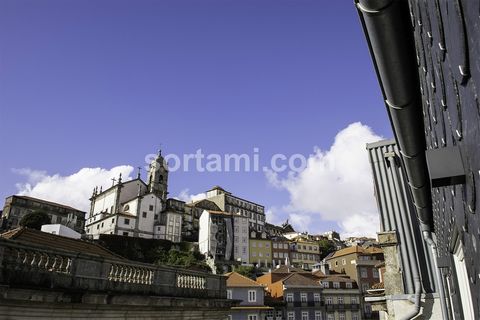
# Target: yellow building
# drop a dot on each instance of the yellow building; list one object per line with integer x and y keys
{"x": 304, "y": 253}
{"x": 260, "y": 249}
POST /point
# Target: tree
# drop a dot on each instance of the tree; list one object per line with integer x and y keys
{"x": 247, "y": 271}
{"x": 326, "y": 247}
{"x": 189, "y": 260}
{"x": 35, "y": 219}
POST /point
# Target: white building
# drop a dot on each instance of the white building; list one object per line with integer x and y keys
{"x": 134, "y": 208}
{"x": 60, "y": 230}
{"x": 227, "y": 202}
{"x": 224, "y": 236}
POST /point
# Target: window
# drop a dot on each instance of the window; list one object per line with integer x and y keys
{"x": 316, "y": 297}
{"x": 289, "y": 297}
{"x": 363, "y": 272}
{"x": 144, "y": 214}
{"x": 291, "y": 315}
{"x": 305, "y": 315}
{"x": 344, "y": 262}
{"x": 336, "y": 263}
{"x": 318, "y": 315}
{"x": 252, "y": 296}
{"x": 254, "y": 244}
{"x": 125, "y": 233}
{"x": 330, "y": 316}
{"x": 113, "y": 220}
{"x": 348, "y": 285}
{"x": 365, "y": 287}
{"x": 463, "y": 280}
{"x": 375, "y": 273}
{"x": 341, "y": 316}
{"x": 274, "y": 245}
{"x": 328, "y": 300}
{"x": 325, "y": 284}
{"x": 303, "y": 297}
{"x": 355, "y": 316}
{"x": 126, "y": 221}
{"x": 150, "y": 208}
{"x": 354, "y": 300}
{"x": 336, "y": 285}
{"x": 252, "y": 317}
{"x": 368, "y": 309}
{"x": 229, "y": 294}
{"x": 340, "y": 300}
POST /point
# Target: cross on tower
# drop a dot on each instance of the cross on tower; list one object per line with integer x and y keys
{"x": 113, "y": 181}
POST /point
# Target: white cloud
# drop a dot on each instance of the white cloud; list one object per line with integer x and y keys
{"x": 184, "y": 195}
{"x": 336, "y": 185}
{"x": 73, "y": 190}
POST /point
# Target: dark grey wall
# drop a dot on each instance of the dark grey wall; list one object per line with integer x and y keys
{"x": 447, "y": 37}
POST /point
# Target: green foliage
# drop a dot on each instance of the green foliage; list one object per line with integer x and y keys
{"x": 247, "y": 271}
{"x": 326, "y": 247}
{"x": 35, "y": 219}
{"x": 188, "y": 260}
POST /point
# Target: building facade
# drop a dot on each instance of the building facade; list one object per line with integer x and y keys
{"x": 260, "y": 249}
{"x": 304, "y": 253}
{"x": 342, "y": 298}
{"x": 227, "y": 202}
{"x": 137, "y": 209}
{"x": 360, "y": 265}
{"x": 426, "y": 57}
{"x": 280, "y": 251}
{"x": 223, "y": 236}
{"x": 16, "y": 207}
{"x": 251, "y": 296}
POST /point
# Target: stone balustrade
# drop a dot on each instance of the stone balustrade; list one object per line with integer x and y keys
{"x": 26, "y": 264}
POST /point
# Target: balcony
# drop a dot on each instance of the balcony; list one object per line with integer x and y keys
{"x": 342, "y": 306}
{"x": 28, "y": 265}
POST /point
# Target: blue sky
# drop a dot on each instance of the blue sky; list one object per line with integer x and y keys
{"x": 102, "y": 83}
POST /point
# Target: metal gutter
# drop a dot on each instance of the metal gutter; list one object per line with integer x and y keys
{"x": 388, "y": 30}
{"x": 389, "y": 35}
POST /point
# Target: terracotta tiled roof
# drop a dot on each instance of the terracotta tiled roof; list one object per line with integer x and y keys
{"x": 354, "y": 249}
{"x": 48, "y": 202}
{"x": 298, "y": 279}
{"x": 51, "y": 241}
{"x": 288, "y": 269}
{"x": 319, "y": 274}
{"x": 235, "y": 279}
{"x": 338, "y": 279}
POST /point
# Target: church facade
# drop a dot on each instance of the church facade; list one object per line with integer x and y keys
{"x": 136, "y": 208}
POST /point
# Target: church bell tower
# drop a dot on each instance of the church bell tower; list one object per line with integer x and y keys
{"x": 158, "y": 177}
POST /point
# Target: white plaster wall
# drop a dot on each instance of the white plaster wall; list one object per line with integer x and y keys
{"x": 60, "y": 230}
{"x": 146, "y": 224}
{"x": 204, "y": 232}
{"x": 130, "y": 190}
{"x": 241, "y": 236}
{"x": 105, "y": 202}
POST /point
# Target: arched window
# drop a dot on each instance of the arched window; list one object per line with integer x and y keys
{"x": 160, "y": 178}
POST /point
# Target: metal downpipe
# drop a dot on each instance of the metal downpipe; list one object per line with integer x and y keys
{"x": 427, "y": 235}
